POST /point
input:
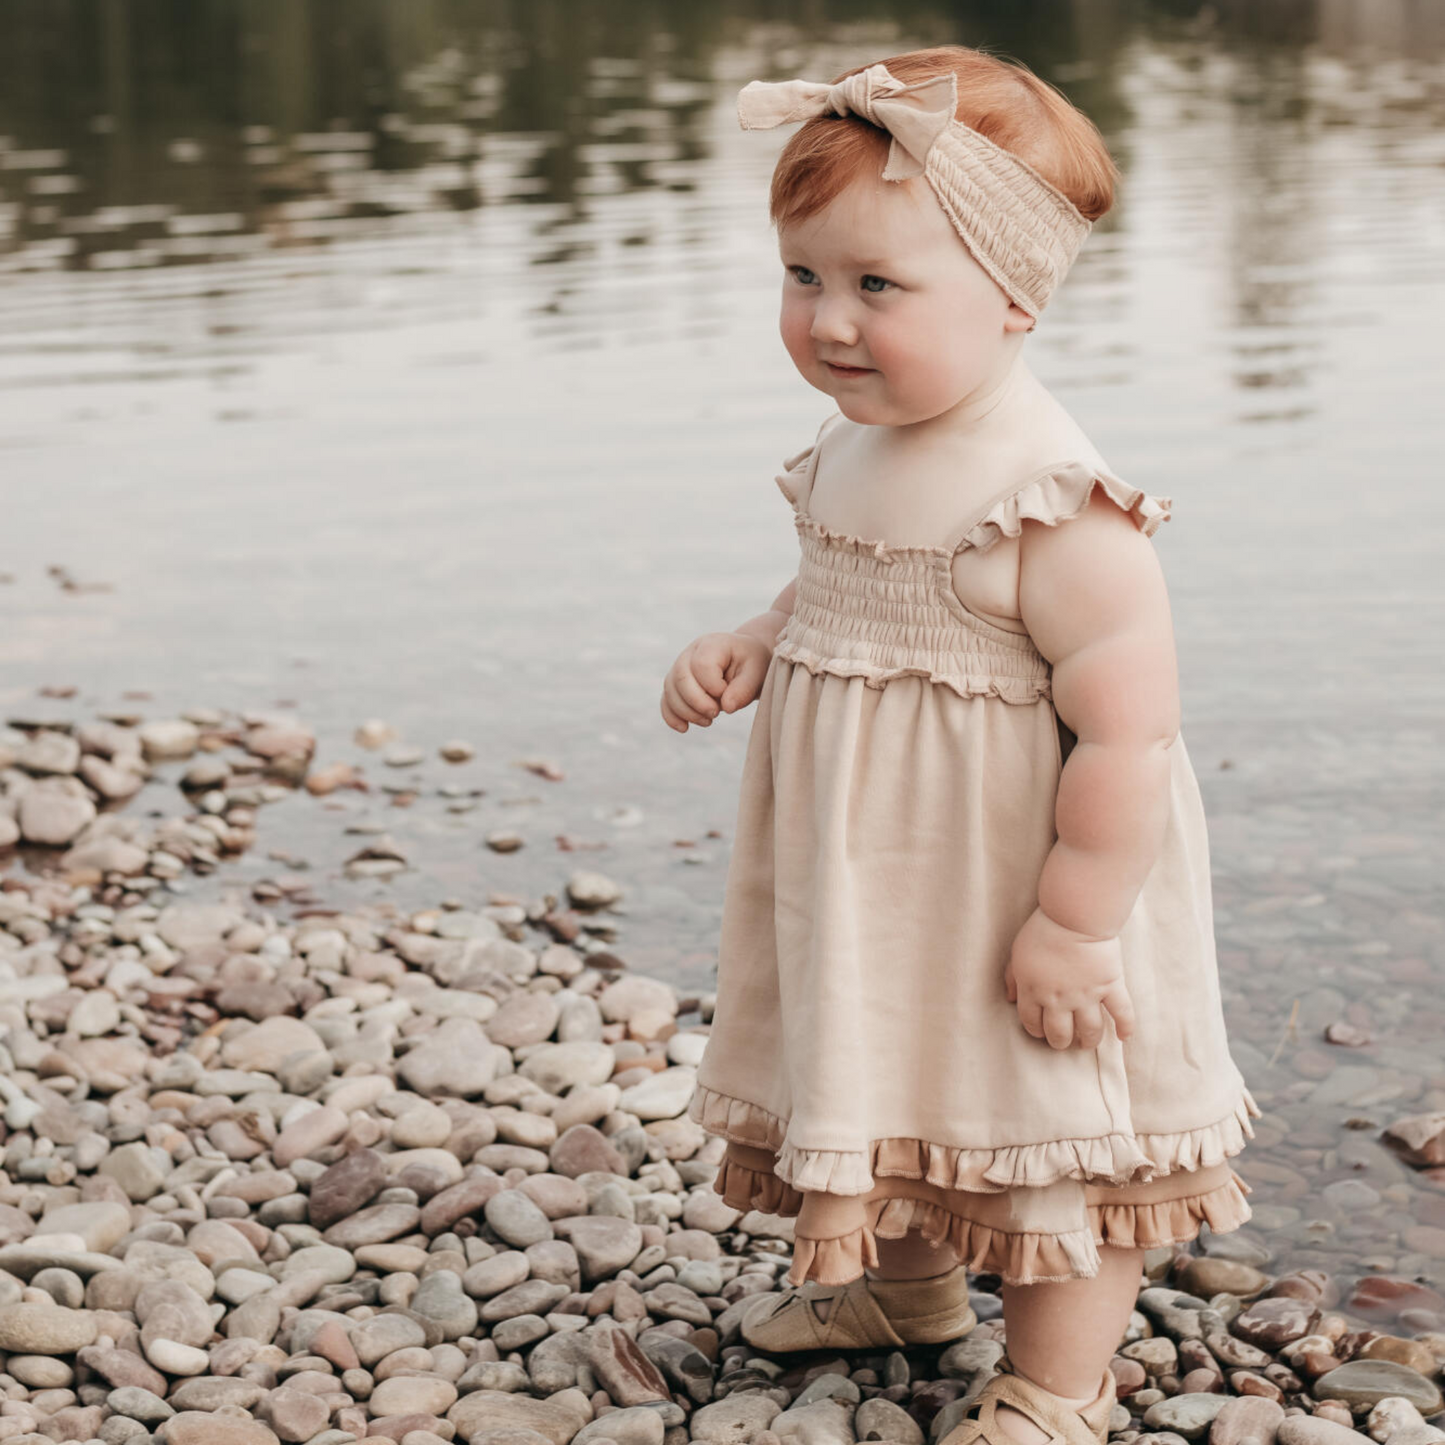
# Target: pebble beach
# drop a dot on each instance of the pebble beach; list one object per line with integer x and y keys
{"x": 429, "y": 1175}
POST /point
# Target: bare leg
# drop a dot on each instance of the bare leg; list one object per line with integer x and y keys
{"x": 1062, "y": 1336}
{"x": 910, "y": 1257}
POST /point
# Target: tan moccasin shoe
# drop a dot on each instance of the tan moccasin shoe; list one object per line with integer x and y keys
{"x": 1066, "y": 1426}
{"x": 865, "y": 1314}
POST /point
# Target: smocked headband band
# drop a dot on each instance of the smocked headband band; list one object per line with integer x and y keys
{"x": 1023, "y": 231}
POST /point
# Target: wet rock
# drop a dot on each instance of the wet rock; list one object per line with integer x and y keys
{"x": 1207, "y": 1276}
{"x": 1270, "y": 1323}
{"x": 1420, "y": 1138}
{"x": 1188, "y": 1415}
{"x": 1362, "y": 1384}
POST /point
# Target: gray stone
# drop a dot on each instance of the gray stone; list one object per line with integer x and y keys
{"x": 735, "y": 1420}
{"x": 879, "y": 1419}
{"x": 1187, "y": 1415}
{"x": 439, "y": 1297}
{"x": 517, "y": 1219}
{"x": 635, "y": 1425}
{"x": 139, "y": 1404}
{"x": 603, "y": 1245}
{"x": 825, "y": 1422}
{"x": 1362, "y": 1384}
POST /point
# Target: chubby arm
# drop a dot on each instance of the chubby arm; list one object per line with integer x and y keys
{"x": 767, "y": 625}
{"x": 1092, "y": 595}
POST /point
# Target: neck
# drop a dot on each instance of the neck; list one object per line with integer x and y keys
{"x": 970, "y": 413}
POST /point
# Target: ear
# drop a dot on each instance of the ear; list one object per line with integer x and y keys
{"x": 1017, "y": 319}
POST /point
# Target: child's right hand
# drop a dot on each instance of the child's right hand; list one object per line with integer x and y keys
{"x": 719, "y": 671}
{"x": 1064, "y": 982}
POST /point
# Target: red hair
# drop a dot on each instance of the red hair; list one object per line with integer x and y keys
{"x": 1001, "y": 99}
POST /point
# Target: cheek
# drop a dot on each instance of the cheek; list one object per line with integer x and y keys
{"x": 947, "y": 344}
{"x": 795, "y": 325}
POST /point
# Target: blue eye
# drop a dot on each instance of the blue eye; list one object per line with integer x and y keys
{"x": 808, "y": 277}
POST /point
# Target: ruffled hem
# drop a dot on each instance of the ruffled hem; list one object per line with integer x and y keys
{"x": 1022, "y": 1258}
{"x": 1171, "y": 1221}
{"x": 1106, "y": 1159}
{"x": 1060, "y": 495}
{"x": 878, "y": 675}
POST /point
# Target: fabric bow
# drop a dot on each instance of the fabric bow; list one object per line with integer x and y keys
{"x": 914, "y": 115}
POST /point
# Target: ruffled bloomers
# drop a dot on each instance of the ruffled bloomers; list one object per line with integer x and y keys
{"x": 1028, "y": 1213}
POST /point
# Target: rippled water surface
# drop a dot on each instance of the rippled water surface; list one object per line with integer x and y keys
{"x": 419, "y": 360}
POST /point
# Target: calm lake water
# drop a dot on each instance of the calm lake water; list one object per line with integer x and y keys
{"x": 419, "y": 360}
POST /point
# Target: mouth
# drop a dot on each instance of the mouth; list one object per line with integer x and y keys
{"x": 844, "y": 371}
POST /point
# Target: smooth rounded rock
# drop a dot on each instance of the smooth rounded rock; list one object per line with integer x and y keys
{"x": 37, "y": 1329}
{"x": 1187, "y": 1415}
{"x": 1362, "y": 1384}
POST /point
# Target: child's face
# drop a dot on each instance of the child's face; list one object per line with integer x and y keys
{"x": 879, "y": 279}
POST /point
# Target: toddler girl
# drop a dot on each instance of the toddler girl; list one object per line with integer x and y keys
{"x": 968, "y": 1011}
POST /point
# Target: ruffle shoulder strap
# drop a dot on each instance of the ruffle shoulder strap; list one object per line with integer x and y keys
{"x": 1059, "y": 495}
{"x": 793, "y": 480}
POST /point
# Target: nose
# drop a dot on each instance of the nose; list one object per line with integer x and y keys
{"x": 832, "y": 321}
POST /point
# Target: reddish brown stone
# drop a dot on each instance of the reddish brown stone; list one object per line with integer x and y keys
{"x": 444, "y": 1210}
{"x": 1313, "y": 1285}
{"x": 1270, "y": 1323}
{"x": 1382, "y": 1297}
{"x": 1420, "y": 1138}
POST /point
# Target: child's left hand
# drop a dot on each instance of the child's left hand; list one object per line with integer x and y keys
{"x": 1063, "y": 982}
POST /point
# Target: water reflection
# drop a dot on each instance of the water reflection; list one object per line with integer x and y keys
{"x": 419, "y": 359}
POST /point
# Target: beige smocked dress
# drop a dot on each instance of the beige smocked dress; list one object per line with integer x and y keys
{"x": 896, "y": 808}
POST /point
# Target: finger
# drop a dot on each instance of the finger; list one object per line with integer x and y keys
{"x": 1121, "y": 1007}
{"x": 671, "y": 718}
{"x": 744, "y": 686}
{"x": 1010, "y": 985}
{"x": 1089, "y": 1027}
{"x": 707, "y": 667}
{"x": 1058, "y": 1027}
{"x": 690, "y": 699}
{"x": 1032, "y": 1018}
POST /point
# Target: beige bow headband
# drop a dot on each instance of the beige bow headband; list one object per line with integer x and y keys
{"x": 1023, "y": 231}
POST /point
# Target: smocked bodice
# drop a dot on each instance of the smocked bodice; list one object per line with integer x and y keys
{"x": 878, "y": 610}
{"x": 867, "y": 610}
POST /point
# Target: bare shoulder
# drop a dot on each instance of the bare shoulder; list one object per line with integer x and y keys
{"x": 1044, "y": 433}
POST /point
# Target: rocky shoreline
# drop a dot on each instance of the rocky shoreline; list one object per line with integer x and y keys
{"x": 430, "y": 1177}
